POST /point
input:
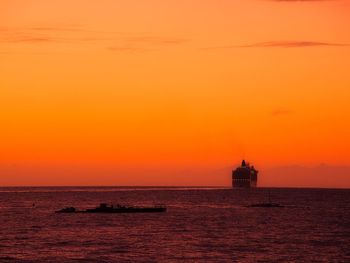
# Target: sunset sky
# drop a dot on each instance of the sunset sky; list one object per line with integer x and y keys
{"x": 174, "y": 92}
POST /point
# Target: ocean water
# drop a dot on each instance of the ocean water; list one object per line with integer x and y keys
{"x": 201, "y": 225}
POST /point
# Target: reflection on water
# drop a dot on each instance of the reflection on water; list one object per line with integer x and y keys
{"x": 200, "y": 225}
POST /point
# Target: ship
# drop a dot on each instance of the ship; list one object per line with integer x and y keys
{"x": 245, "y": 176}
{"x": 110, "y": 209}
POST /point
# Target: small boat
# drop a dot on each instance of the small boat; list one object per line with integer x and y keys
{"x": 67, "y": 210}
{"x": 268, "y": 204}
{"x": 105, "y": 209}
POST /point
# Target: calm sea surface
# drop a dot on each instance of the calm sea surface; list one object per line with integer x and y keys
{"x": 201, "y": 225}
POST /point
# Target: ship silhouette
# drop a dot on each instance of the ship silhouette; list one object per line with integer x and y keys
{"x": 105, "y": 208}
{"x": 245, "y": 176}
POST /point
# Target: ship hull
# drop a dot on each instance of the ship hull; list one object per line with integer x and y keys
{"x": 240, "y": 184}
{"x": 126, "y": 210}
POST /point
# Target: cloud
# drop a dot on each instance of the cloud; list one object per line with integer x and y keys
{"x": 291, "y": 44}
{"x": 28, "y": 39}
{"x": 154, "y": 40}
{"x": 146, "y": 43}
{"x": 54, "y": 34}
{"x": 127, "y": 49}
{"x": 68, "y": 29}
{"x": 115, "y": 41}
{"x": 35, "y": 34}
{"x": 283, "y": 44}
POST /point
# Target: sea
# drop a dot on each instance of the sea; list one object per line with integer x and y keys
{"x": 210, "y": 224}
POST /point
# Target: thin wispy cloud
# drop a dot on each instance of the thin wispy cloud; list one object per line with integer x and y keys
{"x": 45, "y": 34}
{"x": 283, "y": 44}
{"x": 71, "y": 29}
{"x": 291, "y": 44}
{"x": 67, "y": 29}
{"x": 127, "y": 49}
{"x": 157, "y": 40}
{"x": 28, "y": 39}
{"x": 37, "y": 39}
{"x": 146, "y": 43}
{"x": 113, "y": 41}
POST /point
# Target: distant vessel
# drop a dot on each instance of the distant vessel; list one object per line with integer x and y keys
{"x": 105, "y": 208}
{"x": 245, "y": 176}
{"x": 268, "y": 204}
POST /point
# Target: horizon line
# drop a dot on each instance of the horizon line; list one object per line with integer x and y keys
{"x": 169, "y": 187}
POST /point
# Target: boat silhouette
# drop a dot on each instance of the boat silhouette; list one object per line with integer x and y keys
{"x": 268, "y": 204}
{"x": 105, "y": 209}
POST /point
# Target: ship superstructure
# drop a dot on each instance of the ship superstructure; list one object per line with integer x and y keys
{"x": 245, "y": 176}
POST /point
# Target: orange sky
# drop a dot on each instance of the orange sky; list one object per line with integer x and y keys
{"x": 173, "y": 92}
